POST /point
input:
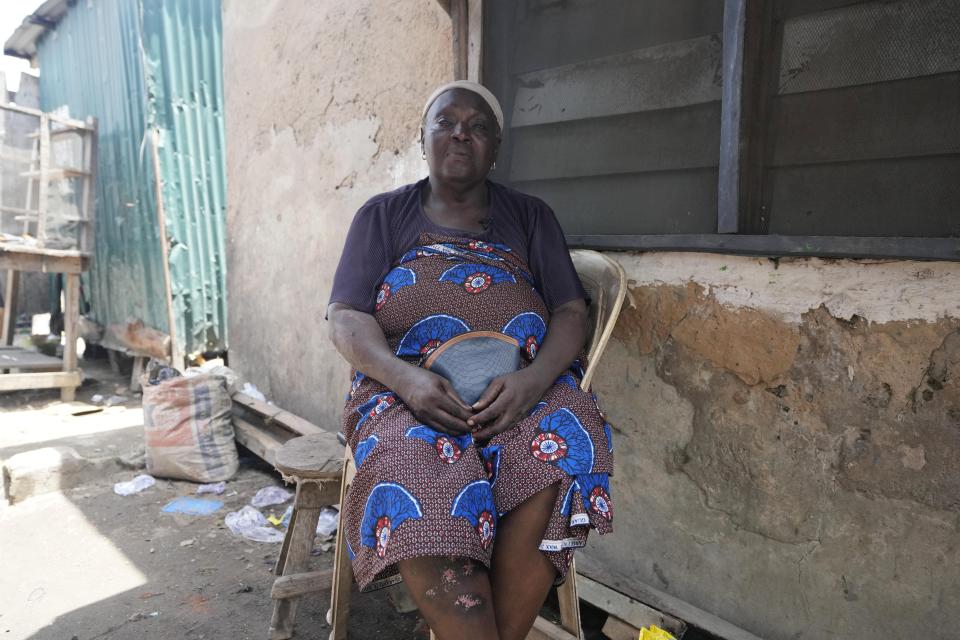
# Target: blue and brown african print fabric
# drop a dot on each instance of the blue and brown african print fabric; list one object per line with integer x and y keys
{"x": 419, "y": 492}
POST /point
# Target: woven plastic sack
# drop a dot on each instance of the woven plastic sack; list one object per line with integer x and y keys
{"x": 187, "y": 429}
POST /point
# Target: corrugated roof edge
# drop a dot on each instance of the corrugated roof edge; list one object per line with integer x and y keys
{"x": 23, "y": 42}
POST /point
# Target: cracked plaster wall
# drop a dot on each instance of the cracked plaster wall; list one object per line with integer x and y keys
{"x": 323, "y": 104}
{"x": 787, "y": 441}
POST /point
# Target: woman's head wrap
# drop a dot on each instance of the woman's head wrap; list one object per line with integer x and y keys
{"x": 477, "y": 88}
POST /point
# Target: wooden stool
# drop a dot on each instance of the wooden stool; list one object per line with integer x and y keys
{"x": 315, "y": 463}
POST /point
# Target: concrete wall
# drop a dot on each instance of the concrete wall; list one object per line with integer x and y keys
{"x": 787, "y": 436}
{"x": 787, "y": 431}
{"x": 323, "y": 104}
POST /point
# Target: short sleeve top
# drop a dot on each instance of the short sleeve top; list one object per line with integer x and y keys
{"x": 390, "y": 224}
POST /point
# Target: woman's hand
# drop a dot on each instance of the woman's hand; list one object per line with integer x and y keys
{"x": 433, "y": 401}
{"x": 506, "y": 400}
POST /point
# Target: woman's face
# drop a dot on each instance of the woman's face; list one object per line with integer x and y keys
{"x": 460, "y": 137}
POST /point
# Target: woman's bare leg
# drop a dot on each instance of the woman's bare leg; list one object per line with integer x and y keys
{"x": 521, "y": 575}
{"x": 453, "y": 595}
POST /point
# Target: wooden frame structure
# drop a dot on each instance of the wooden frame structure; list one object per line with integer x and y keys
{"x": 25, "y": 369}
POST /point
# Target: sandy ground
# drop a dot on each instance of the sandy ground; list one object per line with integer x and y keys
{"x": 86, "y": 564}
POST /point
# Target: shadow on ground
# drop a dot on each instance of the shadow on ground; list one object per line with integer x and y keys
{"x": 87, "y": 564}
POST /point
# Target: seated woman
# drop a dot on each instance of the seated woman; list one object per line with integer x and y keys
{"x": 478, "y": 507}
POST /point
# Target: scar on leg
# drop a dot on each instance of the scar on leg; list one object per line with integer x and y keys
{"x": 449, "y": 578}
{"x": 431, "y": 593}
{"x": 469, "y": 601}
{"x": 468, "y": 567}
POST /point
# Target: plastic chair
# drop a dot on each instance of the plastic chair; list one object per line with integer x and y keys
{"x": 606, "y": 284}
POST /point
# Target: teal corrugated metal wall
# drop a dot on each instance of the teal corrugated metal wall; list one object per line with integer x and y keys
{"x": 140, "y": 66}
{"x": 185, "y": 91}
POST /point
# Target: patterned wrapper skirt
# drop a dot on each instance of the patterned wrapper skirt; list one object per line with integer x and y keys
{"x": 419, "y": 492}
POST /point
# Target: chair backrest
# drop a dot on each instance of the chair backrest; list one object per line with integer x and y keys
{"x": 606, "y": 284}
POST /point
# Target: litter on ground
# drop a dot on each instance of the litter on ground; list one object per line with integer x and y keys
{"x": 138, "y": 484}
{"x": 269, "y": 496}
{"x": 192, "y": 506}
{"x": 217, "y": 488}
{"x": 252, "y": 525}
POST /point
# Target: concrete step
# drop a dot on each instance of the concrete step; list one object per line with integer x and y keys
{"x": 57, "y": 468}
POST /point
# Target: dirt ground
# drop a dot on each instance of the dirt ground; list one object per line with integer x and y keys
{"x": 86, "y": 564}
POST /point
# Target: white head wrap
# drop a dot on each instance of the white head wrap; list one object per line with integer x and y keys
{"x": 478, "y": 89}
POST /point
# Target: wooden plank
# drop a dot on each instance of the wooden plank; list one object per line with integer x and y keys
{"x": 915, "y": 117}
{"x": 302, "y": 531}
{"x": 666, "y": 76}
{"x": 459, "y": 19}
{"x": 262, "y": 408}
{"x": 88, "y": 203}
{"x": 658, "y": 202}
{"x": 626, "y": 608}
{"x": 751, "y": 62}
{"x": 176, "y": 352}
{"x": 297, "y": 424}
{"x": 56, "y": 174}
{"x": 273, "y": 414}
{"x": 51, "y": 380}
{"x": 683, "y": 610}
{"x": 10, "y": 293}
{"x": 11, "y": 258}
{"x": 475, "y": 40}
{"x": 301, "y": 583}
{"x": 43, "y": 184}
{"x": 731, "y": 124}
{"x": 71, "y": 316}
{"x": 870, "y": 42}
{"x": 546, "y": 630}
{"x": 900, "y": 197}
{"x": 616, "y": 629}
{"x": 569, "y": 602}
{"x": 19, "y": 248}
{"x": 261, "y": 443}
{"x": 666, "y": 140}
{"x": 557, "y": 33}
{"x": 343, "y": 570}
{"x": 69, "y": 122}
{"x": 777, "y": 245}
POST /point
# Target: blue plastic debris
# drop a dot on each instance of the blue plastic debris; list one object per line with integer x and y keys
{"x": 192, "y": 506}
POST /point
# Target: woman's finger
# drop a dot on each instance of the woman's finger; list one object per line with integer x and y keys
{"x": 503, "y": 423}
{"x": 456, "y": 406}
{"x": 488, "y": 414}
{"x": 489, "y": 394}
{"x": 448, "y": 423}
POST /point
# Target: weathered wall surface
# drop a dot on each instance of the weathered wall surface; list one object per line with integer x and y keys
{"x": 323, "y": 102}
{"x": 787, "y": 441}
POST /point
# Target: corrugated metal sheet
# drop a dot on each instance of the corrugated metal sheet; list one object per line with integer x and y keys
{"x": 182, "y": 56}
{"x": 141, "y": 66}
